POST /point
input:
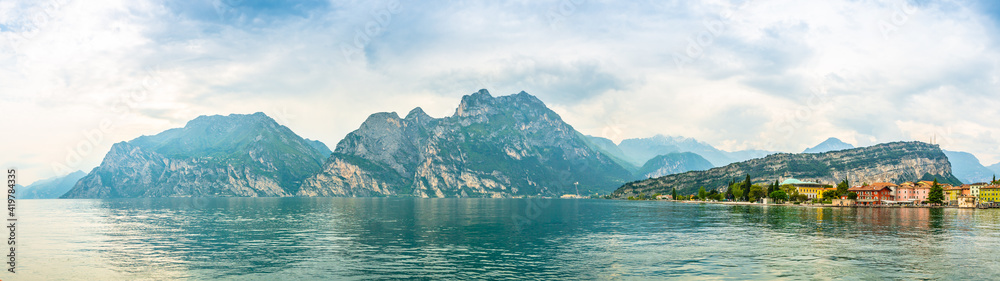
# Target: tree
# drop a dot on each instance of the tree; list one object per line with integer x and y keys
{"x": 756, "y": 192}
{"x": 936, "y": 195}
{"x": 674, "y": 195}
{"x": 746, "y": 188}
{"x": 830, "y": 194}
{"x": 801, "y": 197}
{"x": 737, "y": 191}
{"x": 729, "y": 190}
{"x": 701, "y": 193}
{"x": 731, "y": 193}
{"x": 779, "y": 195}
{"x": 773, "y": 187}
{"x": 852, "y": 195}
{"x": 842, "y": 187}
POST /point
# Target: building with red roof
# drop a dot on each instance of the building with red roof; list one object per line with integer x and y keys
{"x": 874, "y": 194}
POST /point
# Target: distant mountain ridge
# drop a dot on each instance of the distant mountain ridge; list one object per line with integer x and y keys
{"x": 830, "y": 144}
{"x": 890, "y": 162}
{"x": 640, "y": 150}
{"x": 995, "y": 168}
{"x": 673, "y": 163}
{"x": 50, "y": 188}
{"x": 236, "y": 155}
{"x": 967, "y": 167}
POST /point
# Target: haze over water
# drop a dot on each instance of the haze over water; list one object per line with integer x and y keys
{"x": 391, "y": 238}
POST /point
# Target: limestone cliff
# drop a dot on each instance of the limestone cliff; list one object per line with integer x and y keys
{"x": 890, "y": 162}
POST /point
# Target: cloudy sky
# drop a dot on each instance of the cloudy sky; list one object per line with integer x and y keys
{"x": 78, "y": 76}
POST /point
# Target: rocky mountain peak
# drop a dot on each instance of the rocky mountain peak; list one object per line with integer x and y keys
{"x": 230, "y": 120}
{"x": 417, "y": 115}
{"x": 475, "y": 104}
{"x": 382, "y": 120}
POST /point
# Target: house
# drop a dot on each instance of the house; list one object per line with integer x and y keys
{"x": 974, "y": 188}
{"x": 665, "y": 197}
{"x": 989, "y": 193}
{"x": 810, "y": 189}
{"x": 966, "y": 201}
{"x": 874, "y": 194}
{"x": 844, "y": 202}
{"x": 951, "y": 193}
{"x": 914, "y": 193}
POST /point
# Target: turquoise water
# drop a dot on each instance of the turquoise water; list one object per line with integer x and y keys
{"x": 379, "y": 238}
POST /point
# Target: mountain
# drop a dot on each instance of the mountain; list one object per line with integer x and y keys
{"x": 321, "y": 147}
{"x": 967, "y": 168}
{"x": 995, "y": 168}
{"x": 830, "y": 144}
{"x": 235, "y": 155}
{"x": 890, "y": 162}
{"x": 640, "y": 150}
{"x": 50, "y": 188}
{"x": 673, "y": 163}
{"x": 490, "y": 147}
{"x": 610, "y": 149}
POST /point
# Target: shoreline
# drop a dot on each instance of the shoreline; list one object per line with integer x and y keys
{"x": 808, "y": 205}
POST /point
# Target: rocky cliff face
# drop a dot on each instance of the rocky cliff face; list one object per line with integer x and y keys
{"x": 491, "y": 147}
{"x": 235, "y": 155}
{"x": 891, "y": 162}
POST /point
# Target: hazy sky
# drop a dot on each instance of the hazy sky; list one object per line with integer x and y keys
{"x": 78, "y": 76}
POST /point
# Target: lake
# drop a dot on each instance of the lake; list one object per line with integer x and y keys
{"x": 392, "y": 238}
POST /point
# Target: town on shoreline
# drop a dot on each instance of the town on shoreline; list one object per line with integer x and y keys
{"x": 925, "y": 194}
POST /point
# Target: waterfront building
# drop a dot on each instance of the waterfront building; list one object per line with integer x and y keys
{"x": 874, "y": 194}
{"x": 844, "y": 202}
{"x": 966, "y": 201}
{"x": 974, "y": 188}
{"x": 951, "y": 193}
{"x": 911, "y": 192}
{"x": 810, "y": 189}
{"x": 989, "y": 193}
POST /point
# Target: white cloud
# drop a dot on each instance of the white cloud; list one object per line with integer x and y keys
{"x": 607, "y": 67}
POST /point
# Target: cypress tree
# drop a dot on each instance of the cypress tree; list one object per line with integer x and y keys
{"x": 674, "y": 195}
{"x": 746, "y": 188}
{"x": 936, "y": 195}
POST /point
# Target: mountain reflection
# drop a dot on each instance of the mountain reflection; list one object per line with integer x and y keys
{"x": 342, "y": 236}
{"x": 498, "y": 239}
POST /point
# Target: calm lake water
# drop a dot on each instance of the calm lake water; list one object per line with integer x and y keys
{"x": 378, "y": 238}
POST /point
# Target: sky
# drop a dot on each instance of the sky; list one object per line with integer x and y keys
{"x": 79, "y": 76}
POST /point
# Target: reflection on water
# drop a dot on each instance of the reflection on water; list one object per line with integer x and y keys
{"x": 364, "y": 238}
